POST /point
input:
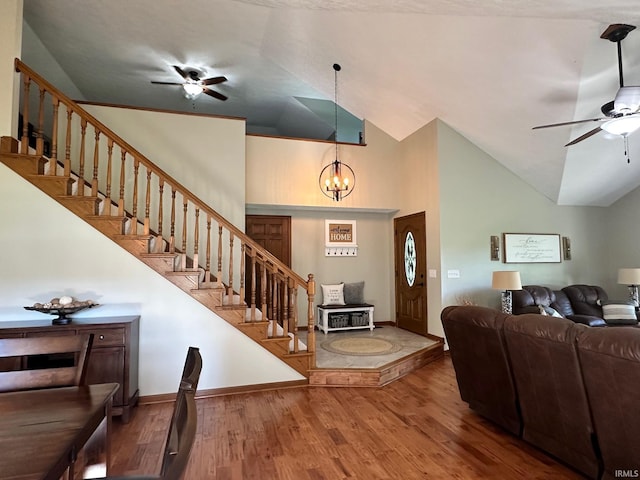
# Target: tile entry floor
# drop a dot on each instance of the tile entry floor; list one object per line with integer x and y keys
{"x": 410, "y": 343}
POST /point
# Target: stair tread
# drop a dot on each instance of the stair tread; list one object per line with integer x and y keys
{"x": 157, "y": 254}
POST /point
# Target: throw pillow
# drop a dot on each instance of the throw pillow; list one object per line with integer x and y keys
{"x": 354, "y": 293}
{"x": 618, "y": 311}
{"x": 333, "y": 294}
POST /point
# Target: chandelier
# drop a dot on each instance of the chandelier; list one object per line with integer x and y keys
{"x": 337, "y": 179}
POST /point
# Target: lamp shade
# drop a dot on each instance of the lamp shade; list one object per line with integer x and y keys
{"x": 629, "y": 276}
{"x": 506, "y": 280}
{"x": 622, "y": 125}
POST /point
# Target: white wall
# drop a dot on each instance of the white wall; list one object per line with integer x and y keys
{"x": 10, "y": 45}
{"x": 47, "y": 251}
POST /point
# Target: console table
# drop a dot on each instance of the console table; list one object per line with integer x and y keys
{"x": 113, "y": 357}
{"x": 345, "y": 317}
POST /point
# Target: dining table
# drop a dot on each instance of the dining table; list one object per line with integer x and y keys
{"x": 55, "y": 433}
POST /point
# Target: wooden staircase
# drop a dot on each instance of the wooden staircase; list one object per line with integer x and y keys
{"x": 112, "y": 184}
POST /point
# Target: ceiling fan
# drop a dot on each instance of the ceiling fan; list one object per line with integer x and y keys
{"x": 193, "y": 85}
{"x": 621, "y": 115}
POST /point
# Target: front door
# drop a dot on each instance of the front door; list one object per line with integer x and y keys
{"x": 410, "y": 256}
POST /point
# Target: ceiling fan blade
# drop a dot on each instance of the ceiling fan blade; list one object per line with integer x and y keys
{"x": 181, "y": 72}
{"x": 213, "y": 93}
{"x": 213, "y": 80}
{"x": 571, "y": 123}
{"x": 583, "y": 137}
{"x": 165, "y": 83}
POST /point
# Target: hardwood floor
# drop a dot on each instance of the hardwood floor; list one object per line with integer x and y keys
{"x": 414, "y": 428}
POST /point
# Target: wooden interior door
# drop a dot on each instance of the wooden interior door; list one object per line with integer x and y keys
{"x": 410, "y": 258}
{"x": 272, "y": 232}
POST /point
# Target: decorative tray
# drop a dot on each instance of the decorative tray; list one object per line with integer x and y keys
{"x": 61, "y": 310}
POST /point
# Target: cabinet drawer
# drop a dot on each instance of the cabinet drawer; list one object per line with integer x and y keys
{"x": 106, "y": 337}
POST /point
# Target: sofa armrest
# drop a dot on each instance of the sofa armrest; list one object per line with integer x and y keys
{"x": 587, "y": 320}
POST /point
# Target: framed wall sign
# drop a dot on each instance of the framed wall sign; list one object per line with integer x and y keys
{"x": 340, "y": 238}
{"x": 531, "y": 248}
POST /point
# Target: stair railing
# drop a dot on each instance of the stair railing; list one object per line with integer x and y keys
{"x": 134, "y": 188}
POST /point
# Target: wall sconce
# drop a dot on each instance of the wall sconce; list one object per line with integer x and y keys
{"x": 566, "y": 248}
{"x": 495, "y": 248}
{"x": 631, "y": 278}
{"x": 506, "y": 281}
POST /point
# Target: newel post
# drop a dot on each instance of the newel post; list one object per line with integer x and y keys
{"x": 311, "y": 329}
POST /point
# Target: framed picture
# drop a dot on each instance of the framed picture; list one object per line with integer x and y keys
{"x": 531, "y": 248}
{"x": 340, "y": 238}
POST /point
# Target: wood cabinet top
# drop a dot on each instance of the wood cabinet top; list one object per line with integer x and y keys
{"x": 75, "y": 323}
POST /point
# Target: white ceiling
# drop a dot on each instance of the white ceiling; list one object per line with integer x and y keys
{"x": 490, "y": 69}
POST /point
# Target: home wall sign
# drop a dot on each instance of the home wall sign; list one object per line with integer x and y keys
{"x": 531, "y": 248}
{"x": 340, "y": 238}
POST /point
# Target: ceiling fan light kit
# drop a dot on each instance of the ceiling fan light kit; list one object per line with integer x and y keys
{"x": 193, "y": 85}
{"x": 192, "y": 90}
{"x": 621, "y": 114}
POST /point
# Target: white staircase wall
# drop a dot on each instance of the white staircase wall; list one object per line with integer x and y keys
{"x": 47, "y": 251}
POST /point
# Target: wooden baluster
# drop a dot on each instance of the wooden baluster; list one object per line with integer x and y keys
{"x": 311, "y": 331}
{"x": 54, "y": 139}
{"x": 207, "y": 268}
{"x": 106, "y": 203}
{"x": 285, "y": 305}
{"x": 242, "y": 272}
{"x": 196, "y": 240}
{"x": 159, "y": 241}
{"x": 183, "y": 258}
{"x": 123, "y": 159}
{"x": 24, "y": 141}
{"x": 274, "y": 301}
{"x": 40, "y": 129}
{"x": 263, "y": 293}
{"x": 67, "y": 146}
{"x": 147, "y": 203}
{"x": 230, "y": 288}
{"x": 96, "y": 160}
{"x": 133, "y": 226}
{"x": 219, "y": 255}
{"x": 253, "y": 285}
{"x": 293, "y": 313}
{"x": 80, "y": 180}
{"x": 172, "y": 237}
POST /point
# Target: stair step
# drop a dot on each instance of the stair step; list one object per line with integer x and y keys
{"x": 187, "y": 280}
{"x": 109, "y": 225}
{"x": 299, "y": 362}
{"x": 53, "y": 186}
{"x": 136, "y": 244}
{"x": 24, "y": 164}
{"x": 277, "y": 345}
{"x": 161, "y": 262}
{"x": 81, "y": 206}
{"x": 210, "y": 297}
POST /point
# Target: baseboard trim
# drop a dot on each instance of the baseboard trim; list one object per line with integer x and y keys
{"x": 218, "y": 392}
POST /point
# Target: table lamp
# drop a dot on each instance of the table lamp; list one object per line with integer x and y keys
{"x": 506, "y": 281}
{"x": 631, "y": 278}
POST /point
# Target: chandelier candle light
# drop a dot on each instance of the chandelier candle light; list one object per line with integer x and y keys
{"x": 337, "y": 180}
{"x": 506, "y": 281}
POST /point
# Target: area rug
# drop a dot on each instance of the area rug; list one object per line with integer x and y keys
{"x": 360, "y": 346}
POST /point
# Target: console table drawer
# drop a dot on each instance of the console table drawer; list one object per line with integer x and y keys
{"x": 106, "y": 337}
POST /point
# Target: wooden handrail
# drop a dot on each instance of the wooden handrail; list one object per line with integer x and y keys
{"x": 86, "y": 116}
{"x": 130, "y": 195}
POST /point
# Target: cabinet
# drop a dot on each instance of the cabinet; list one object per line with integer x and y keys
{"x": 345, "y": 317}
{"x": 113, "y": 357}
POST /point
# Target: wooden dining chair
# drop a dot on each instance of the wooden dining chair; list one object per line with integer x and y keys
{"x": 24, "y": 370}
{"x": 183, "y": 425}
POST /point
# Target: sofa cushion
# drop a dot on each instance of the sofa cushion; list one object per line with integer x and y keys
{"x": 586, "y": 299}
{"x": 551, "y": 312}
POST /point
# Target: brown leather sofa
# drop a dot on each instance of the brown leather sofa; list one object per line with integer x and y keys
{"x": 610, "y": 360}
{"x": 479, "y": 356}
{"x": 573, "y": 388}
{"x": 532, "y": 297}
{"x": 553, "y": 400}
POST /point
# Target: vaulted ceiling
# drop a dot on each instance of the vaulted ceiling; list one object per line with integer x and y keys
{"x": 491, "y": 70}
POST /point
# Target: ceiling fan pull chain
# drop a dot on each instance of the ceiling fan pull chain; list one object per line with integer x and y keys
{"x": 626, "y": 147}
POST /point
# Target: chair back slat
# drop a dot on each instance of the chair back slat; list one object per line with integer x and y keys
{"x": 44, "y": 375}
{"x": 182, "y": 429}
